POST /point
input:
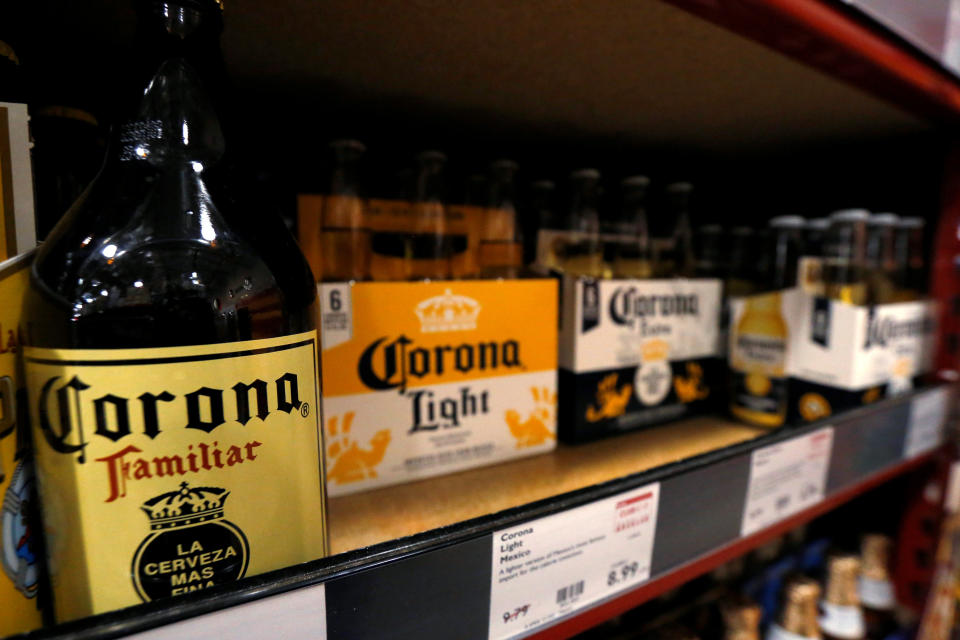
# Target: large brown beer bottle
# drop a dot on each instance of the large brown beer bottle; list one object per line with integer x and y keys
{"x": 171, "y": 355}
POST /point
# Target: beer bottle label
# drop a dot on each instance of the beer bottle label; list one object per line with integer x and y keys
{"x": 758, "y": 362}
{"x": 169, "y": 470}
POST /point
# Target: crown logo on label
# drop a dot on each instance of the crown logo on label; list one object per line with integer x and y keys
{"x": 448, "y": 312}
{"x": 184, "y": 507}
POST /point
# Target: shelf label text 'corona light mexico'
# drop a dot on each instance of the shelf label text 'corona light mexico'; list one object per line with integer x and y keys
{"x": 171, "y": 470}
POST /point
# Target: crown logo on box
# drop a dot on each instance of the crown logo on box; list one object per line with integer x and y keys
{"x": 448, "y": 312}
{"x": 184, "y": 507}
{"x": 655, "y": 349}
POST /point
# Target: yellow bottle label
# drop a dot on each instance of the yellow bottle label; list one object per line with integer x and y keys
{"x": 758, "y": 362}
{"x": 19, "y": 541}
{"x": 166, "y": 471}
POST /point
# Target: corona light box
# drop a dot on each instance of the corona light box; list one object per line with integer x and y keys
{"x": 635, "y": 353}
{"x": 797, "y": 357}
{"x": 426, "y": 378}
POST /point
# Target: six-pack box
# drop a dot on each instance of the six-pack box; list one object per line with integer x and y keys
{"x": 635, "y": 353}
{"x": 426, "y": 378}
{"x": 797, "y": 357}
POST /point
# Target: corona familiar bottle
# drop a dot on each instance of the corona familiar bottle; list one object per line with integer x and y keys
{"x": 844, "y": 268}
{"x": 632, "y": 257}
{"x": 877, "y": 595}
{"x": 841, "y": 617}
{"x": 344, "y": 240}
{"x": 583, "y": 250}
{"x": 428, "y": 248}
{"x": 683, "y": 262}
{"x": 741, "y": 619}
{"x": 758, "y": 358}
{"x": 501, "y": 247}
{"x": 881, "y": 260}
{"x": 798, "y": 613}
{"x": 910, "y": 277}
{"x": 171, "y": 354}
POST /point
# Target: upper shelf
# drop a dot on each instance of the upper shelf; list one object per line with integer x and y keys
{"x": 637, "y": 73}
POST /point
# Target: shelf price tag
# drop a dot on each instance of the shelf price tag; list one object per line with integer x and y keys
{"x": 928, "y": 413}
{"x": 548, "y": 568}
{"x": 786, "y": 478}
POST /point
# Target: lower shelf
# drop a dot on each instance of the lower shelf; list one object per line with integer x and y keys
{"x": 422, "y": 559}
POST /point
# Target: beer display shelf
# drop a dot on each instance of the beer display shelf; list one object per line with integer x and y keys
{"x": 690, "y": 495}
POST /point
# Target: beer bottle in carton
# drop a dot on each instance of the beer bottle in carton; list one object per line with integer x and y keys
{"x": 710, "y": 251}
{"x": 844, "y": 269}
{"x": 910, "y": 275}
{"x": 632, "y": 256}
{"x": 583, "y": 249}
{"x": 881, "y": 259}
{"x": 683, "y": 262}
{"x": 501, "y": 246}
{"x": 428, "y": 251}
{"x": 344, "y": 238}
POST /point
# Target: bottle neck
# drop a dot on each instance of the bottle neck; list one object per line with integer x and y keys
{"x": 185, "y": 29}
{"x": 180, "y": 83}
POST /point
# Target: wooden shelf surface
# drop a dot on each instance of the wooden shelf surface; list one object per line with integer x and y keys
{"x": 363, "y": 519}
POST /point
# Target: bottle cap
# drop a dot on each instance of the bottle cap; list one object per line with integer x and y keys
{"x": 843, "y": 572}
{"x": 432, "y": 155}
{"x": 850, "y": 215}
{"x": 504, "y": 164}
{"x": 788, "y": 222}
{"x": 800, "y": 614}
{"x": 875, "y": 551}
{"x": 635, "y": 181}
{"x": 741, "y": 617}
{"x": 347, "y": 143}
{"x": 679, "y": 187}
{"x": 910, "y": 223}
{"x": 588, "y": 174}
{"x": 884, "y": 219}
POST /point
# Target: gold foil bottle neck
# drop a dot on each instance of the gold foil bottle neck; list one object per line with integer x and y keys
{"x": 800, "y": 613}
{"x": 843, "y": 572}
{"x": 741, "y": 619}
{"x": 875, "y": 552}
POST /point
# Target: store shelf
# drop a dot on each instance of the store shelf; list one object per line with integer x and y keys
{"x": 368, "y": 518}
{"x": 424, "y": 585}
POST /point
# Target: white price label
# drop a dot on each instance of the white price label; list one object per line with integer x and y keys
{"x": 928, "y": 413}
{"x": 548, "y": 568}
{"x": 786, "y": 478}
{"x": 301, "y": 613}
